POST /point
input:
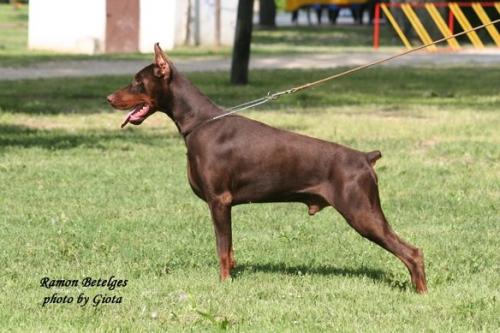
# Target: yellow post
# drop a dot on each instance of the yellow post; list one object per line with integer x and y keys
{"x": 395, "y": 25}
{"x": 417, "y": 25}
{"x": 497, "y": 6}
{"x": 438, "y": 19}
{"x": 486, "y": 20}
{"x": 464, "y": 23}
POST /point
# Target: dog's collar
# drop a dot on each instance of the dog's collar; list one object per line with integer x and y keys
{"x": 186, "y": 133}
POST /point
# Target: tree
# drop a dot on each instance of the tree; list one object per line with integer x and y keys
{"x": 242, "y": 39}
{"x": 217, "y": 22}
{"x": 189, "y": 20}
{"x": 267, "y": 13}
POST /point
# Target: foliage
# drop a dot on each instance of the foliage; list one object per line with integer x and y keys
{"x": 280, "y": 4}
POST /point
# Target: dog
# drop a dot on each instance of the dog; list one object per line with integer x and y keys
{"x": 236, "y": 160}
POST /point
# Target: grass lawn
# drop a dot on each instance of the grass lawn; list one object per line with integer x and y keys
{"x": 80, "y": 197}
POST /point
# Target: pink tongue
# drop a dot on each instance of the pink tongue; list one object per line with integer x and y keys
{"x": 127, "y": 119}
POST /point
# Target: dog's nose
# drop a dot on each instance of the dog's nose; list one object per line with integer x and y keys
{"x": 109, "y": 99}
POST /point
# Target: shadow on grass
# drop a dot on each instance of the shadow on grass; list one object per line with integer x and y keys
{"x": 55, "y": 139}
{"x": 325, "y": 270}
{"x": 59, "y": 95}
{"x": 350, "y": 35}
{"x": 394, "y": 89}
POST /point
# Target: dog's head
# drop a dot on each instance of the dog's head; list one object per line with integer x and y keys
{"x": 148, "y": 91}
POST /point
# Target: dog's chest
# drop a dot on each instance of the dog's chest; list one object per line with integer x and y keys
{"x": 194, "y": 181}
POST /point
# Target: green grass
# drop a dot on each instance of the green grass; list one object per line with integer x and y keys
{"x": 80, "y": 197}
{"x": 319, "y": 39}
{"x": 13, "y": 29}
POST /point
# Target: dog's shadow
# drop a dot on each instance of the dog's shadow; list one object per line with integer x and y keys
{"x": 325, "y": 270}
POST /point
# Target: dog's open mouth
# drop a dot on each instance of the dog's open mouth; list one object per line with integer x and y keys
{"x": 137, "y": 115}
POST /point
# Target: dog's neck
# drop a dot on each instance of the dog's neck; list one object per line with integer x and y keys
{"x": 188, "y": 106}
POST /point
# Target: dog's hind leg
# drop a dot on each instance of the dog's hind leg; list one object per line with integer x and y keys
{"x": 360, "y": 205}
{"x": 374, "y": 227}
{"x": 220, "y": 209}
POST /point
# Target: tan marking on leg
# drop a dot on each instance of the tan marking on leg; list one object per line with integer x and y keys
{"x": 226, "y": 198}
{"x": 313, "y": 209}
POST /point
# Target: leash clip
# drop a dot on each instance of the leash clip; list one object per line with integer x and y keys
{"x": 272, "y": 97}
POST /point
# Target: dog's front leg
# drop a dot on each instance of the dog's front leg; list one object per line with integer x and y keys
{"x": 221, "y": 215}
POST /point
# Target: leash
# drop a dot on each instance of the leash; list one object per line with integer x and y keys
{"x": 272, "y": 97}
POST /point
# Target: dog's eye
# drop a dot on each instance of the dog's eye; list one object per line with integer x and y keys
{"x": 137, "y": 86}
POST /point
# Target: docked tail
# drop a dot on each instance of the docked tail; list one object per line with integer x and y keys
{"x": 373, "y": 156}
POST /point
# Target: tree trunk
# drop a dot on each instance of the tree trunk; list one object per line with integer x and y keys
{"x": 187, "y": 38}
{"x": 267, "y": 13}
{"x": 217, "y": 22}
{"x": 242, "y": 39}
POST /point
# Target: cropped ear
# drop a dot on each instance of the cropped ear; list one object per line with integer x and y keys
{"x": 162, "y": 68}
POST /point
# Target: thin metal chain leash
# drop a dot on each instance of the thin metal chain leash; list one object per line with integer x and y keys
{"x": 272, "y": 97}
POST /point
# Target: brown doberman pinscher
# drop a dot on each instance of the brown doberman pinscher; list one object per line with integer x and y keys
{"x": 235, "y": 160}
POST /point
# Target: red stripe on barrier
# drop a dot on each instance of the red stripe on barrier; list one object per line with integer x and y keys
{"x": 376, "y": 27}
